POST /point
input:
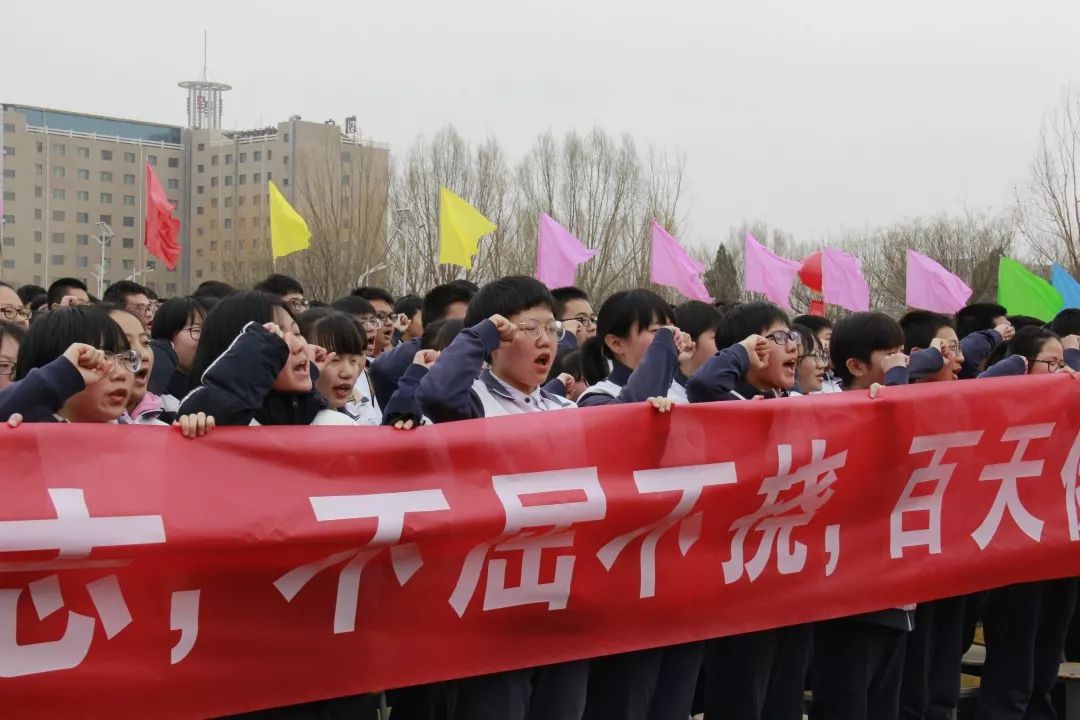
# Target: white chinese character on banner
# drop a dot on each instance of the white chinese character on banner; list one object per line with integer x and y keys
{"x": 1069, "y": 473}
{"x": 389, "y": 511}
{"x": 914, "y": 498}
{"x": 526, "y": 515}
{"x": 1008, "y": 497}
{"x": 74, "y": 533}
{"x": 689, "y": 481}
{"x": 776, "y": 519}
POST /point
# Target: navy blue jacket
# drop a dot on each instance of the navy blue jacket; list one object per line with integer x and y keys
{"x": 165, "y": 377}
{"x": 386, "y": 370}
{"x": 44, "y": 390}
{"x": 720, "y": 376}
{"x": 922, "y": 363}
{"x": 1015, "y": 365}
{"x": 237, "y": 387}
{"x": 403, "y": 404}
{"x": 651, "y": 378}
{"x": 976, "y": 348}
{"x": 445, "y": 392}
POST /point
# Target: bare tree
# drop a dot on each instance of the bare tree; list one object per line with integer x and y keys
{"x": 1048, "y": 207}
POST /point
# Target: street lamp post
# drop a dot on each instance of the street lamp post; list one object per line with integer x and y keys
{"x": 105, "y": 234}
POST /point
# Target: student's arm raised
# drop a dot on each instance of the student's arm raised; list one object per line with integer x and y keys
{"x": 927, "y": 362}
{"x": 386, "y": 371}
{"x": 723, "y": 371}
{"x": 445, "y": 393}
{"x": 236, "y": 384}
{"x": 403, "y": 411}
{"x": 1012, "y": 365}
{"x": 978, "y": 345}
{"x": 44, "y": 390}
{"x": 653, "y": 375}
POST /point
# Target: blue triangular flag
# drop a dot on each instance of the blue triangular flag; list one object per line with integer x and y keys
{"x": 1065, "y": 284}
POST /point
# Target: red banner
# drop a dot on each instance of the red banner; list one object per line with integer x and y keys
{"x": 148, "y": 575}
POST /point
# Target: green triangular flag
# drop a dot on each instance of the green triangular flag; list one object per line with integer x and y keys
{"x": 1022, "y": 292}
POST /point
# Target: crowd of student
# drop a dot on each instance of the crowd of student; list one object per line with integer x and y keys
{"x": 271, "y": 356}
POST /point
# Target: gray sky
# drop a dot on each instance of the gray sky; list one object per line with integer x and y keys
{"x": 812, "y": 115}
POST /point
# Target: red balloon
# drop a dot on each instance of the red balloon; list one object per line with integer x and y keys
{"x": 810, "y": 271}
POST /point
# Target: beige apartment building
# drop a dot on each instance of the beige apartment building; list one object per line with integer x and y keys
{"x": 65, "y": 173}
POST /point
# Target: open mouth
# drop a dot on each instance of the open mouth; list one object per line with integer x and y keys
{"x": 301, "y": 368}
{"x": 142, "y": 376}
{"x": 118, "y": 397}
{"x": 341, "y": 391}
{"x": 543, "y": 360}
{"x": 790, "y": 365}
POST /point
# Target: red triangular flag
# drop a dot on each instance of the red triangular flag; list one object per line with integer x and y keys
{"x": 162, "y": 237}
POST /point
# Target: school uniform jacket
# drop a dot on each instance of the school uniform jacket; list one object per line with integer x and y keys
{"x": 977, "y": 347}
{"x": 386, "y": 370}
{"x": 653, "y": 377}
{"x": 44, "y": 390}
{"x": 455, "y": 388}
{"x": 237, "y": 387}
{"x": 1015, "y": 365}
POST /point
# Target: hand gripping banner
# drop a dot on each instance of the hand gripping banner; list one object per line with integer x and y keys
{"x": 146, "y": 575}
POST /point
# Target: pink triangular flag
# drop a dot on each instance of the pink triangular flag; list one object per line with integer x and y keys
{"x": 767, "y": 273}
{"x": 932, "y": 287}
{"x": 558, "y": 253}
{"x": 842, "y": 281}
{"x": 671, "y": 266}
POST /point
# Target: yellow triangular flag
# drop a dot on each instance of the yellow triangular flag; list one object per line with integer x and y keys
{"x": 460, "y": 228}
{"x": 288, "y": 231}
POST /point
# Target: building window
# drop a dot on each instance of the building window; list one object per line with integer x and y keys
{"x": 269, "y": 154}
{"x": 37, "y": 258}
{"x": 58, "y": 172}
{"x": 198, "y": 274}
{"x": 199, "y": 210}
{"x": 58, "y": 215}
{"x": 228, "y": 159}
{"x": 228, "y": 202}
{"x": 39, "y": 169}
{"x": 107, "y": 219}
{"x": 9, "y": 151}
{"x": 58, "y": 149}
{"x": 213, "y": 182}
{"x": 170, "y": 288}
{"x": 56, "y": 260}
{"x": 129, "y": 221}
{"x": 106, "y": 154}
{"x": 38, "y": 213}
{"x": 129, "y": 264}
{"x": 174, "y": 162}
{"x": 9, "y": 195}
{"x": 9, "y": 173}
{"x": 256, "y": 178}
{"x": 213, "y": 202}
{"x": 199, "y": 232}
{"x": 84, "y": 153}
{"x": 152, "y": 159}
{"x": 346, "y": 180}
{"x": 9, "y": 241}
{"x": 213, "y": 224}
{"x": 243, "y": 179}
{"x": 9, "y": 127}
{"x": 286, "y": 160}
{"x": 269, "y": 177}
{"x": 202, "y": 146}
{"x": 257, "y": 155}
{"x": 129, "y": 157}
{"x": 37, "y": 238}
{"x": 58, "y": 238}
{"x": 240, "y": 200}
{"x": 129, "y": 200}
{"x": 285, "y": 182}
{"x": 152, "y": 264}
{"x": 57, "y": 194}
{"x": 199, "y": 190}
{"x": 82, "y": 217}
{"x": 83, "y": 196}
{"x": 106, "y": 177}
{"x": 286, "y": 137}
{"x": 129, "y": 243}
{"x": 243, "y": 157}
{"x": 228, "y": 181}
{"x": 256, "y": 199}
{"x": 9, "y": 264}
{"x": 106, "y": 198}
{"x": 129, "y": 179}
{"x": 82, "y": 239}
{"x": 174, "y": 184}
{"x": 213, "y": 267}
{"x": 214, "y": 161}
{"x": 38, "y": 192}
{"x": 81, "y": 261}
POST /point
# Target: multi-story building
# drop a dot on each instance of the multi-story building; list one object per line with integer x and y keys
{"x": 66, "y": 173}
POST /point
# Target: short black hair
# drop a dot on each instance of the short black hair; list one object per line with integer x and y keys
{"x": 1023, "y": 321}
{"x": 59, "y": 289}
{"x": 353, "y": 305}
{"x": 977, "y": 317}
{"x": 118, "y": 292}
{"x": 695, "y": 317}
{"x": 808, "y": 339}
{"x": 227, "y": 320}
{"x": 214, "y": 289}
{"x": 56, "y": 331}
{"x": 448, "y": 330}
{"x": 333, "y": 330}
{"x": 508, "y": 296}
{"x": 1067, "y": 322}
{"x": 408, "y": 305}
{"x": 567, "y": 361}
{"x": 466, "y": 284}
{"x": 39, "y": 302}
{"x": 746, "y": 319}
{"x": 440, "y": 297}
{"x": 618, "y": 315}
{"x": 374, "y": 293}
{"x": 1027, "y": 342}
{"x": 174, "y": 314}
{"x": 859, "y": 336}
{"x": 11, "y": 329}
{"x": 27, "y": 293}
{"x": 921, "y": 326}
{"x": 813, "y": 323}
{"x": 150, "y": 293}
{"x": 280, "y": 285}
{"x": 564, "y": 295}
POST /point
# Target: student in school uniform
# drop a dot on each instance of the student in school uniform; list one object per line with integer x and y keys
{"x": 343, "y": 337}
{"x": 636, "y": 337}
{"x": 821, "y": 327}
{"x": 981, "y": 327}
{"x": 573, "y": 309}
{"x": 859, "y": 661}
{"x": 812, "y": 371}
{"x": 1026, "y": 624}
{"x": 388, "y": 322}
{"x": 509, "y": 325}
{"x": 174, "y": 336}
{"x": 698, "y": 320}
{"x": 930, "y": 688}
{"x": 760, "y": 675}
{"x": 364, "y": 404}
{"x": 12, "y": 309}
{"x": 143, "y": 407}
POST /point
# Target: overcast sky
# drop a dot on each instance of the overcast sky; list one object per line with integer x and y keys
{"x": 813, "y": 115}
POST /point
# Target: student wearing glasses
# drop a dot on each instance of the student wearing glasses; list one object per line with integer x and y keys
{"x": 637, "y": 339}
{"x": 382, "y": 303}
{"x": 134, "y": 298}
{"x": 12, "y": 309}
{"x": 11, "y": 336}
{"x": 1034, "y": 351}
{"x": 288, "y": 289}
{"x": 74, "y": 365}
{"x": 812, "y": 371}
{"x": 174, "y": 337}
{"x": 573, "y": 309}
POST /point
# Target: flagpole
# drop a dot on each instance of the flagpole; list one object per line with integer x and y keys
{"x": 142, "y": 210}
